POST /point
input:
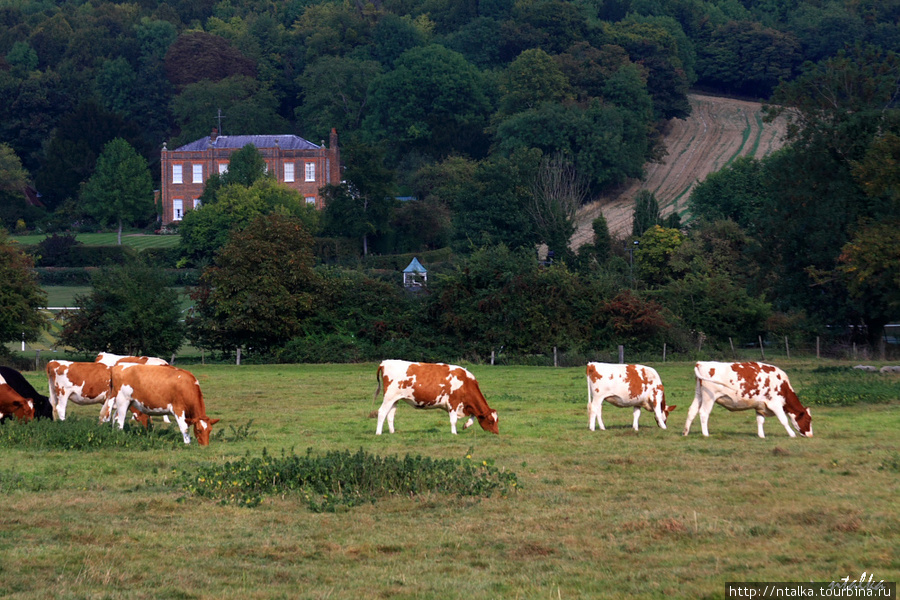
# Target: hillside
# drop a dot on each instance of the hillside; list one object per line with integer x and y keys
{"x": 718, "y": 131}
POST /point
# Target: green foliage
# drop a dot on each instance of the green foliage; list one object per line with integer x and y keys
{"x": 86, "y": 435}
{"x": 120, "y": 190}
{"x": 20, "y": 295}
{"x": 13, "y": 180}
{"x": 654, "y": 253}
{"x": 870, "y": 266}
{"x": 260, "y": 288}
{"x": 131, "y": 310}
{"x": 646, "y": 213}
{"x": 339, "y": 479}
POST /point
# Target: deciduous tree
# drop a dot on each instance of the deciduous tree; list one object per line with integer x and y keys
{"x": 21, "y": 297}
{"x": 120, "y": 190}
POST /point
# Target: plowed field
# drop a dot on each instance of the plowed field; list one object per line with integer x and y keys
{"x": 718, "y": 131}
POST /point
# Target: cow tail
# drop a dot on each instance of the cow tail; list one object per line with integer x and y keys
{"x": 378, "y": 375}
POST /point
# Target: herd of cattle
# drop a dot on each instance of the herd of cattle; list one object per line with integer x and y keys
{"x": 146, "y": 386}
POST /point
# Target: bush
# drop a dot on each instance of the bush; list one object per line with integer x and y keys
{"x": 340, "y": 478}
{"x": 328, "y": 348}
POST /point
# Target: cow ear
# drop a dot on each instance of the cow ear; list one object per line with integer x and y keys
{"x": 213, "y": 421}
{"x": 671, "y": 408}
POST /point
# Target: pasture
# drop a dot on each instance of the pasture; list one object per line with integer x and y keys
{"x": 603, "y": 514}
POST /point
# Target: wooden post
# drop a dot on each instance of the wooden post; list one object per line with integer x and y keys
{"x": 818, "y": 355}
{"x": 664, "y": 352}
{"x": 733, "y": 355}
{"x": 202, "y": 356}
{"x": 854, "y": 350}
{"x": 238, "y": 356}
{"x": 787, "y": 349}
{"x": 762, "y": 351}
{"x": 172, "y": 362}
{"x": 492, "y": 358}
{"x": 37, "y": 360}
{"x": 555, "y": 361}
{"x": 621, "y": 354}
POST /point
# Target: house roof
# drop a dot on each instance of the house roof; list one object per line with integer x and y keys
{"x": 285, "y": 142}
{"x": 415, "y": 267}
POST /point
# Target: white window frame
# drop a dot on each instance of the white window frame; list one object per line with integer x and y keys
{"x": 177, "y": 174}
{"x": 310, "y": 171}
{"x": 196, "y": 203}
{"x": 223, "y": 168}
{"x": 177, "y": 209}
{"x": 311, "y": 200}
{"x": 197, "y": 170}
{"x": 288, "y": 172}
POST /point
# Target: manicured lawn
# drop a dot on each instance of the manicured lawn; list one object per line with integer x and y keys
{"x": 139, "y": 241}
{"x": 604, "y": 514}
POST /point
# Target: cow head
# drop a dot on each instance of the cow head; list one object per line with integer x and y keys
{"x": 802, "y": 422}
{"x": 489, "y": 422}
{"x": 662, "y": 415}
{"x": 21, "y": 409}
{"x": 202, "y": 429}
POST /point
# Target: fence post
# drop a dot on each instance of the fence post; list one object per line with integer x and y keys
{"x": 733, "y": 355}
{"x": 621, "y": 354}
{"x": 555, "y": 362}
{"x": 238, "y": 356}
{"x": 37, "y": 360}
{"x": 172, "y": 362}
{"x": 817, "y": 348}
{"x": 787, "y": 348}
{"x": 762, "y": 352}
{"x": 492, "y": 358}
{"x": 202, "y": 356}
{"x": 664, "y": 352}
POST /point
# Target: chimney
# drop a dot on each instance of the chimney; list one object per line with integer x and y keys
{"x": 214, "y": 135}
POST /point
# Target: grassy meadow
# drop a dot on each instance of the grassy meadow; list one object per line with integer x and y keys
{"x": 138, "y": 241}
{"x": 603, "y": 514}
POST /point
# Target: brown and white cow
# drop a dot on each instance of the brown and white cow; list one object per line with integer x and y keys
{"x": 80, "y": 382}
{"x": 161, "y": 390}
{"x": 634, "y": 386}
{"x": 432, "y": 385}
{"x": 11, "y": 403}
{"x": 111, "y": 360}
{"x": 744, "y": 386}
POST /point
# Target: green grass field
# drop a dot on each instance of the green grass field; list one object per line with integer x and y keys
{"x": 138, "y": 241}
{"x": 603, "y": 514}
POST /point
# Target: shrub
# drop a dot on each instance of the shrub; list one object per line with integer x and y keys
{"x": 340, "y": 478}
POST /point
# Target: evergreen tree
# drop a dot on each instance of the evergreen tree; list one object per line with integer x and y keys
{"x": 646, "y": 213}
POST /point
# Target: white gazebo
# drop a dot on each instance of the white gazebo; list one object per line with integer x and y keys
{"x": 415, "y": 275}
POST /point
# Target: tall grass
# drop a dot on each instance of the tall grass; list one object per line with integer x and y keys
{"x": 603, "y": 514}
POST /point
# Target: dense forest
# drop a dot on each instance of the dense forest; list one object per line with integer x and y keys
{"x": 499, "y": 118}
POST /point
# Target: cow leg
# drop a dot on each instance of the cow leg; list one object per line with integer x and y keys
{"x": 106, "y": 410}
{"x": 759, "y": 425}
{"x": 782, "y": 418}
{"x": 122, "y": 404}
{"x": 453, "y": 418}
{"x": 387, "y": 409}
{"x": 183, "y": 426}
{"x": 692, "y": 412}
{"x": 469, "y": 423}
{"x": 637, "y": 415}
{"x": 595, "y": 414}
{"x": 705, "y": 408}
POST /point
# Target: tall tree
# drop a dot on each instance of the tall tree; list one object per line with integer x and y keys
{"x": 646, "y": 213}
{"x": 131, "y": 309}
{"x": 21, "y": 297}
{"x": 120, "y": 190}
{"x": 557, "y": 193}
{"x": 261, "y": 287}
{"x": 13, "y": 181}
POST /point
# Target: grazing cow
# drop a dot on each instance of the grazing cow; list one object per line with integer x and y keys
{"x": 161, "y": 390}
{"x": 748, "y": 385}
{"x": 429, "y": 385}
{"x": 634, "y": 386}
{"x": 14, "y": 379}
{"x": 110, "y": 360}
{"x": 80, "y": 382}
{"x": 12, "y": 403}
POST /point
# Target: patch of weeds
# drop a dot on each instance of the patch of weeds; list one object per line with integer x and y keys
{"x": 86, "y": 434}
{"x": 240, "y": 433}
{"x": 891, "y": 463}
{"x": 841, "y": 386}
{"x": 341, "y": 479}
